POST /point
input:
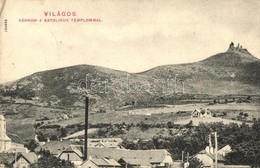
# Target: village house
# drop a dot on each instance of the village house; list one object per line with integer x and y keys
{"x": 25, "y": 160}
{"x": 201, "y": 113}
{"x": 74, "y": 154}
{"x": 100, "y": 163}
{"x": 106, "y": 143}
{"x": 55, "y": 147}
{"x": 235, "y": 166}
{"x": 225, "y": 150}
{"x": 208, "y": 158}
{"x": 156, "y": 157}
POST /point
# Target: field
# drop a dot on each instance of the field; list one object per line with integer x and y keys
{"x": 21, "y": 118}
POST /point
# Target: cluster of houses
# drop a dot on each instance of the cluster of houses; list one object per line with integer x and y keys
{"x": 107, "y": 152}
{"x": 101, "y": 153}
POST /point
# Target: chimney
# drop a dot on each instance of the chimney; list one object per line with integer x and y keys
{"x": 86, "y": 129}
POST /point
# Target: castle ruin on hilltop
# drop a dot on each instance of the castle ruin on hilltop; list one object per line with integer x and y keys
{"x": 238, "y": 48}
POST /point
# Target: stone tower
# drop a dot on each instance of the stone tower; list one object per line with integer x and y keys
{"x": 231, "y": 47}
{"x": 5, "y": 141}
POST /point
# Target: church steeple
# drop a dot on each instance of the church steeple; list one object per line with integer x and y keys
{"x": 5, "y": 141}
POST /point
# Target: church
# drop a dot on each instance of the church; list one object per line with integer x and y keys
{"x": 9, "y": 143}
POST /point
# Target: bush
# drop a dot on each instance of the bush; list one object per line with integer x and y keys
{"x": 245, "y": 115}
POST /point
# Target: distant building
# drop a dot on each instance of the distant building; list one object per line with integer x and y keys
{"x": 65, "y": 117}
{"x": 237, "y": 49}
{"x": 201, "y": 113}
{"x": 106, "y": 143}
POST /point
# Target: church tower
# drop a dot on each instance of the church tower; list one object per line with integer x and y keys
{"x": 5, "y": 141}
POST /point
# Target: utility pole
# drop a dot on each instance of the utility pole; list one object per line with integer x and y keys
{"x": 86, "y": 123}
{"x": 216, "y": 150}
{"x": 86, "y": 129}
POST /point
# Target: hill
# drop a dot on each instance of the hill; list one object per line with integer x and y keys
{"x": 232, "y": 72}
{"x": 235, "y": 71}
{"x": 67, "y": 87}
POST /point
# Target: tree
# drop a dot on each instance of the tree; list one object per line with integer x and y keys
{"x": 190, "y": 124}
{"x": 245, "y": 115}
{"x": 249, "y": 98}
{"x": 170, "y": 124}
{"x": 47, "y": 160}
{"x": 63, "y": 132}
{"x": 31, "y": 145}
{"x": 195, "y": 163}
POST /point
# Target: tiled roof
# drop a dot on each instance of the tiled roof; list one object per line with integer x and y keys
{"x": 220, "y": 157}
{"x": 105, "y": 162}
{"x": 154, "y": 156}
{"x": 55, "y": 147}
{"x": 99, "y": 162}
{"x": 31, "y": 157}
{"x": 78, "y": 149}
{"x": 112, "y": 162}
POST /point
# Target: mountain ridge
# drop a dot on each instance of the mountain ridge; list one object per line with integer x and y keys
{"x": 235, "y": 71}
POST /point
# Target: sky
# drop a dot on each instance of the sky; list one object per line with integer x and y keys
{"x": 132, "y": 36}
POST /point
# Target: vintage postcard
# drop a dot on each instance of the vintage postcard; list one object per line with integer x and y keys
{"x": 129, "y": 84}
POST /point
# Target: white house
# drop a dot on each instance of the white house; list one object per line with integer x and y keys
{"x": 201, "y": 113}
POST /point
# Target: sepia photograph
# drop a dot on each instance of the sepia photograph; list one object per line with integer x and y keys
{"x": 129, "y": 84}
